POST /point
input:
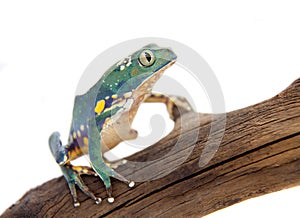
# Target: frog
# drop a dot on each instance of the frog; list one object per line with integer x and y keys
{"x": 102, "y": 117}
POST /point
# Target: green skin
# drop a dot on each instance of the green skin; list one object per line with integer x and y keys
{"x": 129, "y": 79}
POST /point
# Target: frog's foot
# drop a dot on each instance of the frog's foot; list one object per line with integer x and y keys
{"x": 105, "y": 173}
{"x": 98, "y": 163}
{"x": 124, "y": 131}
{"x": 176, "y": 105}
{"x": 115, "y": 164}
{"x": 72, "y": 175}
{"x": 131, "y": 134}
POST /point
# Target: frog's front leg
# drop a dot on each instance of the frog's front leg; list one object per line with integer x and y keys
{"x": 70, "y": 172}
{"x": 98, "y": 163}
{"x": 176, "y": 105}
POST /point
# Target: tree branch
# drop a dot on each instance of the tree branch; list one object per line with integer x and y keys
{"x": 259, "y": 154}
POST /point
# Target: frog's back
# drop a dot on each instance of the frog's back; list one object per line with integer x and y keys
{"x": 94, "y": 102}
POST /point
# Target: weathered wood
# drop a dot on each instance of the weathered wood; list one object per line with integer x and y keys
{"x": 259, "y": 154}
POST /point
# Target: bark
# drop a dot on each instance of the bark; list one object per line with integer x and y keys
{"x": 195, "y": 170}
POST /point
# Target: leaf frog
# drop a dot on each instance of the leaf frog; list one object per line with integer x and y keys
{"x": 102, "y": 117}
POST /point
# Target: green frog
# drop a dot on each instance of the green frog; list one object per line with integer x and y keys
{"x": 102, "y": 117}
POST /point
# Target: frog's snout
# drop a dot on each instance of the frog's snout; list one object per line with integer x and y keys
{"x": 57, "y": 150}
{"x": 170, "y": 54}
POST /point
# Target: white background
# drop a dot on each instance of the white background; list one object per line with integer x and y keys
{"x": 253, "y": 47}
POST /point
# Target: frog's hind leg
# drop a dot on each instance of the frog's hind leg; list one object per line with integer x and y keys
{"x": 72, "y": 175}
{"x": 70, "y": 172}
{"x": 176, "y": 105}
{"x": 99, "y": 164}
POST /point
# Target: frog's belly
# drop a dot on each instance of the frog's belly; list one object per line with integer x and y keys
{"x": 113, "y": 132}
{"x": 116, "y": 131}
{"x": 118, "y": 127}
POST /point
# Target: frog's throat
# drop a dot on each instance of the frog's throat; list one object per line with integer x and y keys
{"x": 163, "y": 68}
{"x": 144, "y": 90}
{"x": 146, "y": 86}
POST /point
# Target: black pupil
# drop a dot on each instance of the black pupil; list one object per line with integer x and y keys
{"x": 148, "y": 56}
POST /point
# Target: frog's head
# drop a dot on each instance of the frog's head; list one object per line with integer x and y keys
{"x": 144, "y": 65}
{"x": 57, "y": 150}
{"x": 148, "y": 64}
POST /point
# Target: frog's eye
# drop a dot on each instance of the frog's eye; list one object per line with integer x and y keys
{"x": 147, "y": 58}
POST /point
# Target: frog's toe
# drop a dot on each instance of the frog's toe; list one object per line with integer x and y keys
{"x": 76, "y": 204}
{"x": 131, "y": 184}
{"x": 177, "y": 106}
{"x": 98, "y": 200}
{"x": 115, "y": 164}
{"x": 129, "y": 135}
{"x": 118, "y": 176}
{"x": 112, "y": 173}
{"x": 133, "y": 134}
{"x": 86, "y": 190}
{"x": 110, "y": 200}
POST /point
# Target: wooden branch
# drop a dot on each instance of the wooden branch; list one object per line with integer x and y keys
{"x": 259, "y": 154}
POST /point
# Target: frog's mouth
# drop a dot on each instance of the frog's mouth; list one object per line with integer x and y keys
{"x": 158, "y": 73}
{"x": 166, "y": 66}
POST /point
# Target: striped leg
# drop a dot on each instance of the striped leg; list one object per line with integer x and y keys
{"x": 176, "y": 105}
